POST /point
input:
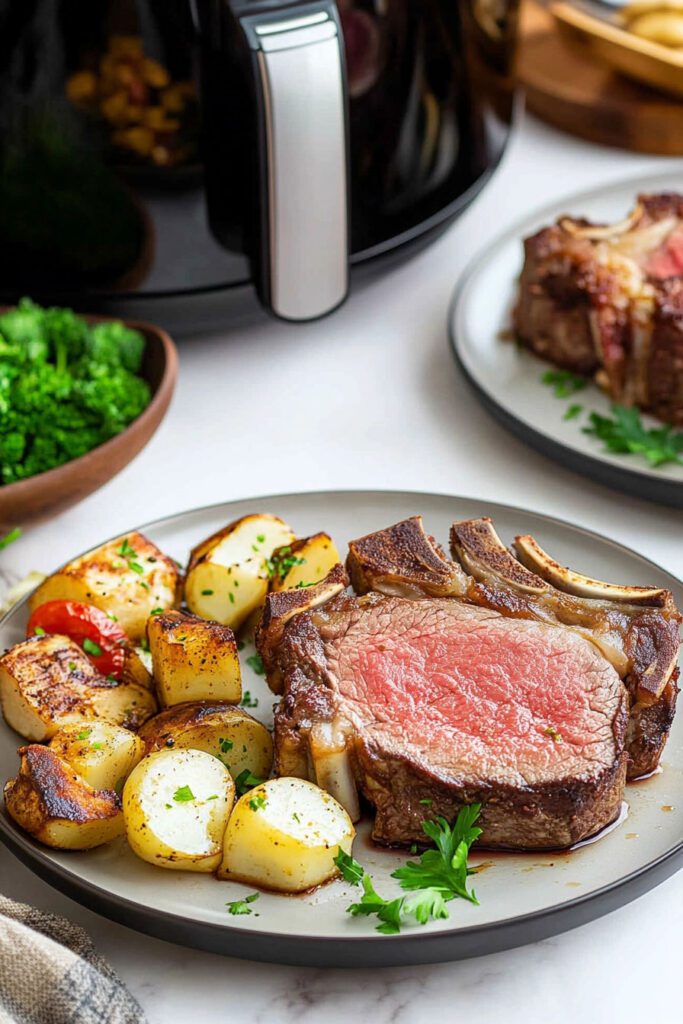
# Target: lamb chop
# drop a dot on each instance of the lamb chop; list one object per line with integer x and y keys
{"x": 607, "y": 301}
{"x": 527, "y": 688}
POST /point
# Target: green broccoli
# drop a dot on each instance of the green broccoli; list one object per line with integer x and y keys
{"x": 114, "y": 344}
{"x": 65, "y": 387}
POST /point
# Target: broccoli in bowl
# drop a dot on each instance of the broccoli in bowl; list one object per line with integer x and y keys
{"x": 66, "y": 386}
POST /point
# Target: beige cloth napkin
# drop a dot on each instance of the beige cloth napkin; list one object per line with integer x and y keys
{"x": 50, "y": 973}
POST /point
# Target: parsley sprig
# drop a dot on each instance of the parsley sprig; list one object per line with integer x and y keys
{"x": 242, "y": 906}
{"x": 563, "y": 382}
{"x": 623, "y": 432}
{"x": 10, "y": 537}
{"x": 438, "y": 877}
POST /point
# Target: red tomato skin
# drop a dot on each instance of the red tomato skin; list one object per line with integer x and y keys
{"x": 80, "y": 622}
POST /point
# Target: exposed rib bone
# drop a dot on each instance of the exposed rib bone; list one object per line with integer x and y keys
{"x": 332, "y": 766}
{"x": 532, "y": 555}
{"x": 482, "y": 553}
{"x": 403, "y": 561}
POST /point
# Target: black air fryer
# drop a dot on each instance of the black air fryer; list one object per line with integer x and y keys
{"x": 155, "y": 151}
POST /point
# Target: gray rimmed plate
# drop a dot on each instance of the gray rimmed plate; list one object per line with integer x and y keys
{"x": 523, "y": 897}
{"x": 507, "y": 379}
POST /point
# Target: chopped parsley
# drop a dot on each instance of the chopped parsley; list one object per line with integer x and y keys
{"x": 183, "y": 795}
{"x": 438, "y": 877}
{"x": 207, "y": 593}
{"x": 248, "y": 701}
{"x": 10, "y": 537}
{"x": 246, "y": 781}
{"x": 427, "y": 802}
{"x": 144, "y": 644}
{"x": 624, "y": 434}
{"x": 97, "y": 746}
{"x": 225, "y": 745}
{"x": 83, "y": 734}
{"x": 296, "y": 818}
{"x": 39, "y": 631}
{"x": 157, "y": 611}
{"x": 255, "y": 662}
{"x": 238, "y": 907}
{"x": 241, "y": 645}
{"x": 261, "y": 538}
{"x": 573, "y": 411}
{"x": 563, "y": 382}
{"x": 257, "y": 803}
{"x": 214, "y": 796}
{"x": 90, "y": 647}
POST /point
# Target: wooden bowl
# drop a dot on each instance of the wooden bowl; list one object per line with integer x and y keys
{"x": 57, "y": 489}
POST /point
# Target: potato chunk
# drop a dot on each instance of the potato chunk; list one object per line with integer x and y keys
{"x": 284, "y": 835}
{"x": 47, "y": 682}
{"x": 227, "y": 578}
{"x": 176, "y": 805}
{"x": 305, "y": 562}
{"x": 53, "y": 803}
{"x": 193, "y": 659}
{"x": 229, "y": 733}
{"x": 103, "y": 754}
{"x": 127, "y": 578}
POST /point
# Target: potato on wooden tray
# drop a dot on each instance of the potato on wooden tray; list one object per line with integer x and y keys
{"x": 103, "y": 754}
{"x": 303, "y": 562}
{"x": 284, "y": 835}
{"x": 128, "y": 578}
{"x": 176, "y": 805}
{"x": 52, "y": 802}
{"x": 228, "y": 574}
{"x": 227, "y": 732}
{"x": 47, "y": 682}
{"x": 193, "y": 659}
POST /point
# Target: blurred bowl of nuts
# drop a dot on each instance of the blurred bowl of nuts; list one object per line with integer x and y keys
{"x": 151, "y": 121}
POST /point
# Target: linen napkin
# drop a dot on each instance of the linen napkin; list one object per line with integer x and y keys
{"x": 50, "y": 973}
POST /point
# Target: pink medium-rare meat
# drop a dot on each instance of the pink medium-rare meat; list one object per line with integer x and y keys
{"x": 604, "y": 300}
{"x": 509, "y": 681}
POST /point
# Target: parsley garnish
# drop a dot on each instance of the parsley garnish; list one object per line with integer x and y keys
{"x": 563, "y": 382}
{"x": 261, "y": 538}
{"x": 257, "y": 803}
{"x": 246, "y": 781}
{"x": 157, "y": 611}
{"x": 72, "y": 666}
{"x": 248, "y": 701}
{"x": 39, "y": 631}
{"x": 130, "y": 555}
{"x": 83, "y": 734}
{"x": 280, "y": 563}
{"x": 438, "y": 877}
{"x": 10, "y": 537}
{"x": 207, "y": 593}
{"x": 225, "y": 745}
{"x": 144, "y": 644}
{"x": 624, "y": 433}
{"x": 90, "y": 647}
{"x": 255, "y": 662}
{"x": 214, "y": 796}
{"x": 241, "y": 645}
{"x": 183, "y": 795}
{"x": 241, "y": 906}
{"x": 573, "y": 411}
{"x": 97, "y": 746}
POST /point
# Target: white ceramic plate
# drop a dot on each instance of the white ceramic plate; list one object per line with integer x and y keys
{"x": 523, "y": 897}
{"x": 507, "y": 378}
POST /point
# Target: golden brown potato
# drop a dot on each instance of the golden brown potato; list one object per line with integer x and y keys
{"x": 176, "y": 805}
{"x": 53, "y": 803}
{"x": 47, "y": 682}
{"x": 228, "y": 573}
{"x": 193, "y": 659}
{"x": 229, "y": 733}
{"x": 103, "y": 754}
{"x": 127, "y": 578}
{"x": 304, "y": 562}
{"x": 284, "y": 835}
{"x": 134, "y": 668}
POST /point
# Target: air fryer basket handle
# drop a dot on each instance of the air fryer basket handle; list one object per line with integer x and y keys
{"x": 298, "y": 64}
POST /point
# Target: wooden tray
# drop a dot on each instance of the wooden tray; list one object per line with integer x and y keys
{"x": 569, "y": 88}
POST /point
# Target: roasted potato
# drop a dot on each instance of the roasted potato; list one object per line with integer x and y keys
{"x": 47, "y": 682}
{"x": 229, "y": 733}
{"x": 53, "y": 803}
{"x": 103, "y": 754}
{"x": 227, "y": 577}
{"x": 176, "y": 805}
{"x": 193, "y": 659}
{"x": 135, "y": 669}
{"x": 304, "y": 562}
{"x": 284, "y": 835}
{"x": 128, "y": 578}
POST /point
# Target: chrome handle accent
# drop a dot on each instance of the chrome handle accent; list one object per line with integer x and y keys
{"x": 302, "y": 77}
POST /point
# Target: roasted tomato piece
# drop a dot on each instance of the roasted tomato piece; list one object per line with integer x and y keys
{"x": 101, "y": 638}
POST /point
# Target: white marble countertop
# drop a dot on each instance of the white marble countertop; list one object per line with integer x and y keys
{"x": 371, "y": 398}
